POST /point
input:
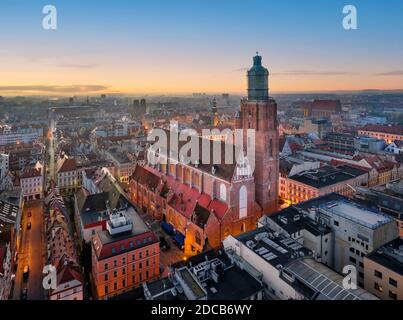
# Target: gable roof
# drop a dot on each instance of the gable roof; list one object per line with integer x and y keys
{"x": 68, "y": 164}
{"x": 146, "y": 177}
{"x": 222, "y": 170}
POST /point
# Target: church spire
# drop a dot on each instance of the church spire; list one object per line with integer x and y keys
{"x": 258, "y": 81}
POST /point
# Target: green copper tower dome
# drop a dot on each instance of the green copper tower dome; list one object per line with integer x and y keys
{"x": 258, "y": 81}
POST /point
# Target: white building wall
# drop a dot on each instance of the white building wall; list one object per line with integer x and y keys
{"x": 271, "y": 276}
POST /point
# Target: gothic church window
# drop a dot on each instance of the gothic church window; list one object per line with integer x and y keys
{"x": 243, "y": 202}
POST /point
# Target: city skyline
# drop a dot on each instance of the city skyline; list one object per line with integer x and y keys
{"x": 149, "y": 48}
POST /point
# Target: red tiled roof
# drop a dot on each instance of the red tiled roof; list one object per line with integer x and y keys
{"x": 383, "y": 128}
{"x": 30, "y": 173}
{"x": 220, "y": 208}
{"x": 336, "y": 163}
{"x": 67, "y": 274}
{"x": 189, "y": 195}
{"x": 68, "y": 165}
{"x": 138, "y": 242}
{"x": 146, "y": 177}
{"x": 327, "y": 105}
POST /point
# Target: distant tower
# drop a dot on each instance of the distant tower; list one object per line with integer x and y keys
{"x": 143, "y": 107}
{"x": 138, "y": 109}
{"x": 214, "y": 110}
{"x": 259, "y": 112}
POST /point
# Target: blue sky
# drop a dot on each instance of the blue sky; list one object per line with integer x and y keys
{"x": 205, "y": 45}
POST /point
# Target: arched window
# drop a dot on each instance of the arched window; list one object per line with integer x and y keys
{"x": 243, "y": 202}
{"x": 243, "y": 227}
{"x": 271, "y": 147}
{"x": 196, "y": 180}
{"x": 223, "y": 192}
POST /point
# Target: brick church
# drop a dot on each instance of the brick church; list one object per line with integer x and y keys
{"x": 201, "y": 202}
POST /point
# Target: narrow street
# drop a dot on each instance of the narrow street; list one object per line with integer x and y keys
{"x": 31, "y": 253}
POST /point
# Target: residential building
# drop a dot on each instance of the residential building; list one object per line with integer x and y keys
{"x": 69, "y": 282}
{"x": 60, "y": 249}
{"x": 290, "y": 166}
{"x": 388, "y": 198}
{"x": 124, "y": 256}
{"x": 389, "y": 133}
{"x": 358, "y": 228}
{"x": 67, "y": 176}
{"x": 383, "y": 270}
{"x": 314, "y": 183}
{"x": 19, "y": 134}
{"x": 340, "y": 142}
{"x": 92, "y": 207}
{"x": 31, "y": 182}
{"x": 11, "y": 206}
{"x": 4, "y": 165}
{"x": 395, "y": 147}
{"x": 369, "y": 144}
{"x": 123, "y": 165}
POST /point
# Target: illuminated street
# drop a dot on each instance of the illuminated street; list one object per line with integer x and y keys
{"x": 31, "y": 253}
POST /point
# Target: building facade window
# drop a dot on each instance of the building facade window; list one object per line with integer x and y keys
{"x": 223, "y": 192}
{"x": 378, "y": 287}
{"x": 243, "y": 202}
{"x": 378, "y": 274}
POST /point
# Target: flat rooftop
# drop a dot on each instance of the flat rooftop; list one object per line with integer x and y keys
{"x": 390, "y": 256}
{"x": 327, "y": 284}
{"x": 358, "y": 213}
{"x": 292, "y": 221}
{"x": 233, "y": 284}
{"x": 139, "y": 227}
{"x": 327, "y": 176}
{"x": 277, "y": 250}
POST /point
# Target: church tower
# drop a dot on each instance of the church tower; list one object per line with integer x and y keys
{"x": 259, "y": 112}
{"x": 214, "y": 110}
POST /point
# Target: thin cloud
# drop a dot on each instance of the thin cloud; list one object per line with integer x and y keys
{"x": 240, "y": 70}
{"x": 79, "y": 65}
{"x": 304, "y": 72}
{"x": 391, "y": 73}
{"x": 53, "y": 89}
{"x": 312, "y": 73}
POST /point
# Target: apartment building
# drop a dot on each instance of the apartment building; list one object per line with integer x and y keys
{"x": 324, "y": 180}
{"x": 124, "y": 256}
{"x": 384, "y": 271}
